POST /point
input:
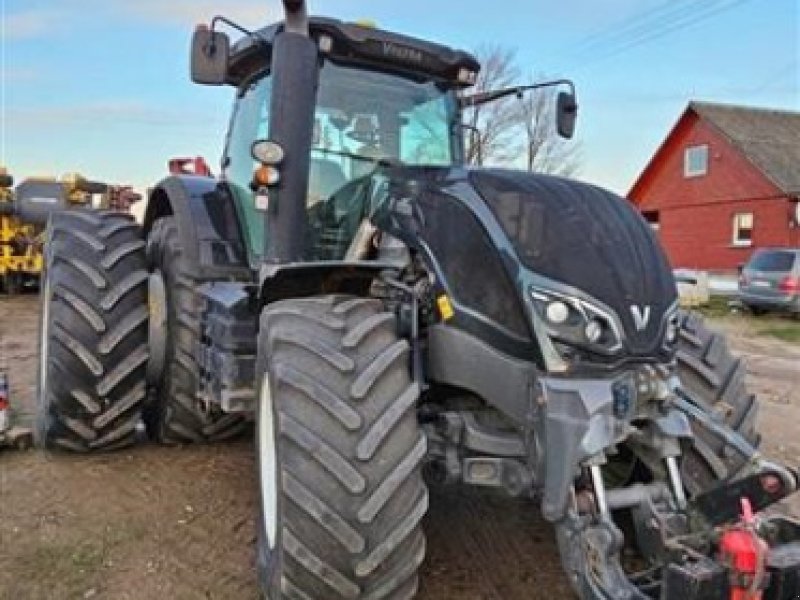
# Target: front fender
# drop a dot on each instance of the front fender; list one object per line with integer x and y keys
{"x": 208, "y": 225}
{"x": 297, "y": 280}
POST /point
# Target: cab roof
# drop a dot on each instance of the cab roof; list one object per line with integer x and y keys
{"x": 362, "y": 45}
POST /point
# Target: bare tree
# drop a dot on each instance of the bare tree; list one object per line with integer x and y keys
{"x": 490, "y": 131}
{"x": 545, "y": 151}
{"x": 515, "y": 131}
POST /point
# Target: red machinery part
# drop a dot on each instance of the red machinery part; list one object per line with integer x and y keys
{"x": 745, "y": 554}
{"x": 3, "y": 402}
{"x": 189, "y": 166}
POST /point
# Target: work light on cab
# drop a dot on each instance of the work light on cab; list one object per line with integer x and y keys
{"x": 267, "y": 152}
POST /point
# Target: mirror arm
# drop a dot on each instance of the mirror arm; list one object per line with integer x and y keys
{"x": 296, "y": 20}
{"x": 229, "y": 23}
{"x": 233, "y": 25}
{"x": 484, "y": 97}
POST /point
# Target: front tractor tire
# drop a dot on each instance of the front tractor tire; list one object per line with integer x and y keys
{"x": 339, "y": 452}
{"x": 93, "y": 332}
{"x": 176, "y": 414}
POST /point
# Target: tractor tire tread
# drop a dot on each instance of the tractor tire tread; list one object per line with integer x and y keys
{"x": 92, "y": 387}
{"x": 177, "y": 415}
{"x": 353, "y": 498}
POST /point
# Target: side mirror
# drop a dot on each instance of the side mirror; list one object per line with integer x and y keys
{"x": 566, "y": 113}
{"x": 210, "y": 51}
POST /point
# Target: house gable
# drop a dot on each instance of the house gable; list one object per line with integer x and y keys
{"x": 712, "y": 216}
{"x": 730, "y": 174}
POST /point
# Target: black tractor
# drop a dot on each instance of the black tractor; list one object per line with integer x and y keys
{"x": 384, "y": 312}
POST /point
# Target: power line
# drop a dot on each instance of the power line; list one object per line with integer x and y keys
{"x": 677, "y": 25}
{"x": 633, "y": 25}
{"x": 652, "y": 30}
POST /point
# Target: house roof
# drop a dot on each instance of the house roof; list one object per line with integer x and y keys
{"x": 769, "y": 138}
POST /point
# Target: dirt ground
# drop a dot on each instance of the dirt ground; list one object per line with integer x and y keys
{"x": 177, "y": 523}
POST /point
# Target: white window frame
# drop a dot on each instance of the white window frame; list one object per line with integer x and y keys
{"x": 737, "y": 229}
{"x": 654, "y": 225}
{"x": 688, "y": 170}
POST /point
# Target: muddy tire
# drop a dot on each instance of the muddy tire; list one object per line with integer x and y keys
{"x": 93, "y": 332}
{"x": 340, "y": 453}
{"x": 175, "y": 414}
{"x": 716, "y": 378}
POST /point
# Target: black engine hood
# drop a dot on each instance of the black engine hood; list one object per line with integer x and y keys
{"x": 588, "y": 238}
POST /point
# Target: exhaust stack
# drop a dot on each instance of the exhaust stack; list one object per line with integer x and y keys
{"x": 294, "y": 87}
{"x": 296, "y": 16}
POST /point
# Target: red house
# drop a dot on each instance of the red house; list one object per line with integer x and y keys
{"x": 725, "y": 181}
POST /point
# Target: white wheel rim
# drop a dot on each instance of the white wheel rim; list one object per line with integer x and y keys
{"x": 44, "y": 345}
{"x": 267, "y": 461}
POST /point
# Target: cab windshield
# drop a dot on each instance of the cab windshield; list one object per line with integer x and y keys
{"x": 362, "y": 119}
{"x": 366, "y": 116}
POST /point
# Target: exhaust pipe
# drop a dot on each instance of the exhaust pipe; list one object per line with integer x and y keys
{"x": 296, "y": 17}
{"x": 295, "y": 74}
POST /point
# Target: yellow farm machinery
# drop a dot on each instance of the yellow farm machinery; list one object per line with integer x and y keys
{"x": 25, "y": 210}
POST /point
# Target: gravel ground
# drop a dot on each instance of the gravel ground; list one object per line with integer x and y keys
{"x": 178, "y": 523}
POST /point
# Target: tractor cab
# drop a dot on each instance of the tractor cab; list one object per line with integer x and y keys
{"x": 374, "y": 99}
{"x": 333, "y": 103}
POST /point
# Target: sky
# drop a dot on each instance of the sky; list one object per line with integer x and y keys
{"x": 101, "y": 87}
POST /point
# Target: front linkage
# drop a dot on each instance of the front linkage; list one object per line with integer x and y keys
{"x": 711, "y": 547}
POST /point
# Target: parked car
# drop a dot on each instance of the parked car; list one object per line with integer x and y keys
{"x": 770, "y": 281}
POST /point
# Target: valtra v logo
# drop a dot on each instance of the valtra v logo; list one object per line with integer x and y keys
{"x": 641, "y": 316}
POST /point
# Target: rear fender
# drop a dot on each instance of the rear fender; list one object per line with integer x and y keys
{"x": 208, "y": 225}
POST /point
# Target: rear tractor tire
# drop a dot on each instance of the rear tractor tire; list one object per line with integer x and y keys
{"x": 93, "y": 332}
{"x": 339, "y": 451}
{"x": 175, "y": 414}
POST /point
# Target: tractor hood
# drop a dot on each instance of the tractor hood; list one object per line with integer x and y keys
{"x": 587, "y": 238}
{"x": 559, "y": 234}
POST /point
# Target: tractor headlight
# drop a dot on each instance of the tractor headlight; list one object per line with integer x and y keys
{"x": 672, "y": 330}
{"x": 556, "y": 312}
{"x": 594, "y": 331}
{"x": 267, "y": 152}
{"x": 577, "y": 322}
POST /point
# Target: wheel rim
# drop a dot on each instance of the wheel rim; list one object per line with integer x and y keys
{"x": 44, "y": 341}
{"x": 267, "y": 460}
{"x": 157, "y": 326}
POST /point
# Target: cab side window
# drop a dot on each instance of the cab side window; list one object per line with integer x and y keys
{"x": 424, "y": 136}
{"x": 250, "y": 122}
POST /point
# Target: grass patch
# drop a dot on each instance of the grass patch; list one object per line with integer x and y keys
{"x": 774, "y": 325}
{"x": 44, "y": 569}
{"x": 788, "y": 332}
{"x": 86, "y": 557}
{"x": 717, "y": 306}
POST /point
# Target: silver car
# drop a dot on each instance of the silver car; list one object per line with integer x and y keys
{"x": 770, "y": 281}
